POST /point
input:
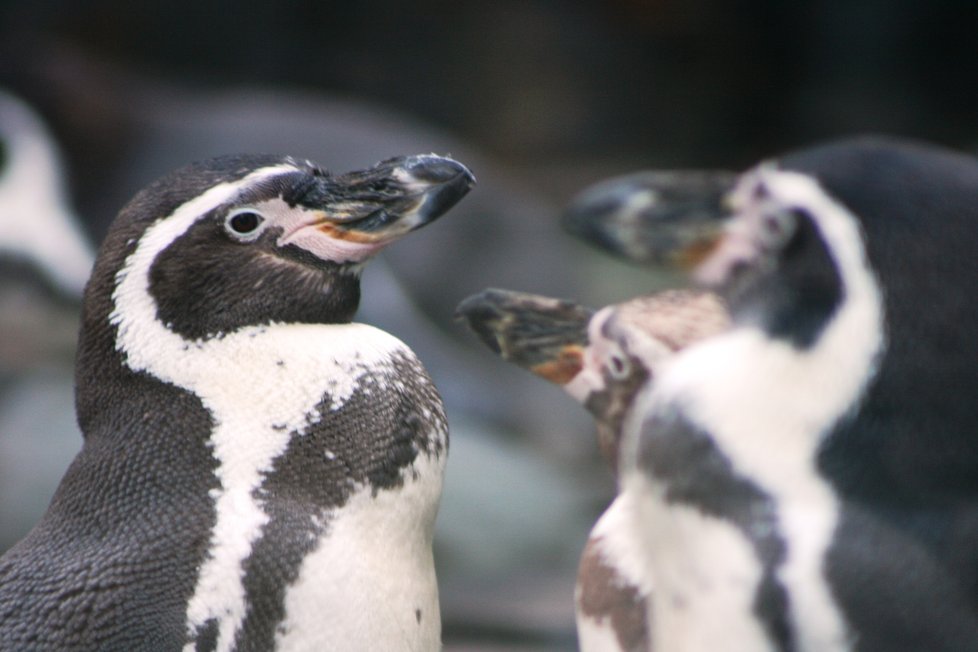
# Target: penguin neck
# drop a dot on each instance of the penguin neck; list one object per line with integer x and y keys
{"x": 611, "y": 405}
{"x": 200, "y": 292}
{"x": 758, "y": 393}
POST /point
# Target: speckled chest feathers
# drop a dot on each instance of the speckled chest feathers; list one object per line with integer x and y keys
{"x": 258, "y": 472}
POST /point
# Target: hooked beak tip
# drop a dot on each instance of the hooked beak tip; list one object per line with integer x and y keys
{"x": 431, "y": 169}
{"x": 658, "y": 218}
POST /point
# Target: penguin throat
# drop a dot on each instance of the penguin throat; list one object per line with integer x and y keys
{"x": 611, "y": 406}
{"x": 199, "y": 302}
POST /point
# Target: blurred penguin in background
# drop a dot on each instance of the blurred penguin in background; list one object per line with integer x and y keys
{"x": 45, "y": 260}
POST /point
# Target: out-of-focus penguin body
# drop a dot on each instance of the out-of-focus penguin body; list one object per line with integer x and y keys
{"x": 257, "y": 472}
{"x": 807, "y": 479}
{"x": 603, "y": 360}
{"x": 44, "y": 263}
{"x": 39, "y": 226}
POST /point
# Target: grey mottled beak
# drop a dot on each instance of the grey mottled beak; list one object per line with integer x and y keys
{"x": 658, "y": 218}
{"x": 390, "y": 199}
{"x": 544, "y": 335}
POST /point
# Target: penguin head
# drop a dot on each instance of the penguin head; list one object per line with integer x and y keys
{"x": 602, "y": 359}
{"x": 627, "y": 345}
{"x": 814, "y": 229}
{"x": 38, "y": 228}
{"x": 244, "y": 240}
{"x": 916, "y": 221}
{"x": 788, "y": 255}
{"x": 752, "y": 238}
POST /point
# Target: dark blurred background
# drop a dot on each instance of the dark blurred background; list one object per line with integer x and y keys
{"x": 546, "y": 87}
{"x": 540, "y": 98}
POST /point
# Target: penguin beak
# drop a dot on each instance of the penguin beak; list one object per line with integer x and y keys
{"x": 365, "y": 210}
{"x": 672, "y": 219}
{"x": 544, "y": 335}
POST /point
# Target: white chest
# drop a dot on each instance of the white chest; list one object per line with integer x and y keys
{"x": 370, "y": 582}
{"x": 612, "y": 541}
{"x": 370, "y": 577}
{"x": 765, "y": 406}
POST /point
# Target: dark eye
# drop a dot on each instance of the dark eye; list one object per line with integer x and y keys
{"x": 778, "y": 226}
{"x": 244, "y": 223}
{"x": 618, "y": 365}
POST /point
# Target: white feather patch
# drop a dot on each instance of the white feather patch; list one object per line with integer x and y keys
{"x": 353, "y": 591}
{"x": 595, "y": 635}
{"x": 615, "y": 542}
{"x": 619, "y": 548}
{"x": 705, "y": 572}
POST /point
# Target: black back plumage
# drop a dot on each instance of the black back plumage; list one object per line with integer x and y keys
{"x": 130, "y": 421}
{"x": 907, "y": 463}
{"x": 917, "y": 207}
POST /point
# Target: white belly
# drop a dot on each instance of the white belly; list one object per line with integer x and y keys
{"x": 613, "y": 541}
{"x": 370, "y": 583}
{"x": 706, "y": 574}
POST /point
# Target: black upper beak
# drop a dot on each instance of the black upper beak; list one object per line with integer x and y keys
{"x": 391, "y": 198}
{"x": 672, "y": 218}
{"x": 544, "y": 335}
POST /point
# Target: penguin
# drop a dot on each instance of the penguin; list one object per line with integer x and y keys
{"x": 603, "y": 360}
{"x": 258, "y": 471}
{"x": 32, "y": 185}
{"x": 45, "y": 260}
{"x": 808, "y": 478}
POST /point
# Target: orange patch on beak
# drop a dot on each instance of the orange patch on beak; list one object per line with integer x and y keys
{"x": 564, "y": 367}
{"x": 350, "y": 235}
{"x": 697, "y": 251}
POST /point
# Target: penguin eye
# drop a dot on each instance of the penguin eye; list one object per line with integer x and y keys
{"x": 779, "y": 225}
{"x": 244, "y": 224}
{"x": 618, "y": 365}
